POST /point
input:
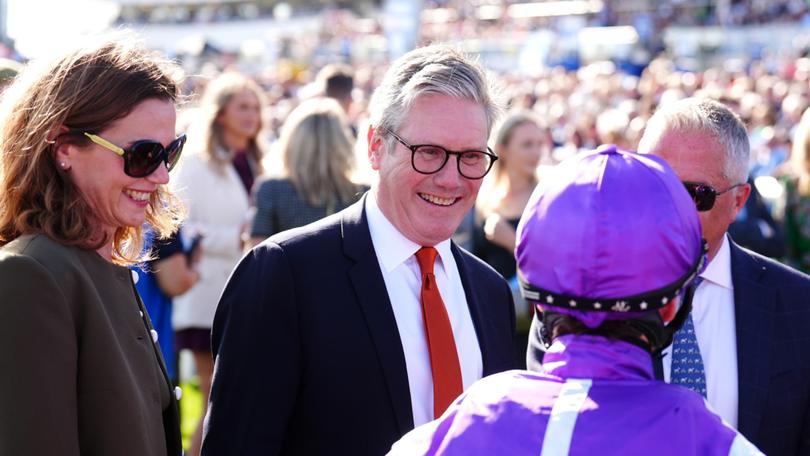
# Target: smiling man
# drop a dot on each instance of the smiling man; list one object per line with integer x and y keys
{"x": 341, "y": 336}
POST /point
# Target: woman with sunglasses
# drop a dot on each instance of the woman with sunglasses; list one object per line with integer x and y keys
{"x": 86, "y": 146}
{"x": 215, "y": 182}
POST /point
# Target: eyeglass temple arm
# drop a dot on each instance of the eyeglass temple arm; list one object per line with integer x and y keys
{"x": 104, "y": 143}
{"x": 731, "y": 188}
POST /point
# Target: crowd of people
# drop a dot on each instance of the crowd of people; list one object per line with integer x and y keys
{"x": 348, "y": 251}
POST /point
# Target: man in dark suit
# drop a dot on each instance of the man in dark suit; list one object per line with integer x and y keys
{"x": 751, "y": 315}
{"x": 341, "y": 336}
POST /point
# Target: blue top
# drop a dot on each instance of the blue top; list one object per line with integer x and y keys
{"x": 157, "y": 303}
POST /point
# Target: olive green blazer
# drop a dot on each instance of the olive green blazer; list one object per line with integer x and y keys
{"x": 80, "y": 372}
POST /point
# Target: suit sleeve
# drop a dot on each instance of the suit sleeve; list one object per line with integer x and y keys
{"x": 512, "y": 314}
{"x": 38, "y": 359}
{"x": 804, "y": 445}
{"x": 255, "y": 341}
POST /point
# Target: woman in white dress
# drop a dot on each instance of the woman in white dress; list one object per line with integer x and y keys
{"x": 214, "y": 182}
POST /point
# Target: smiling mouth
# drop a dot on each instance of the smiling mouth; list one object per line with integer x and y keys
{"x": 137, "y": 196}
{"x": 433, "y": 199}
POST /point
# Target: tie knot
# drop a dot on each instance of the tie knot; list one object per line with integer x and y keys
{"x": 426, "y": 256}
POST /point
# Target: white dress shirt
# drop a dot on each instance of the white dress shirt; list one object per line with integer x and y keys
{"x": 403, "y": 280}
{"x": 716, "y": 333}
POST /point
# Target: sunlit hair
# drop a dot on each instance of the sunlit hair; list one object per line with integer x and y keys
{"x": 800, "y": 154}
{"x": 208, "y": 137}
{"x": 87, "y": 89}
{"x": 439, "y": 69}
{"x": 492, "y": 189}
{"x": 707, "y": 116}
{"x": 317, "y": 152}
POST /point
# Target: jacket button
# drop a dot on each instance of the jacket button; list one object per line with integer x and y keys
{"x": 135, "y": 277}
{"x": 154, "y": 335}
{"x": 178, "y": 392}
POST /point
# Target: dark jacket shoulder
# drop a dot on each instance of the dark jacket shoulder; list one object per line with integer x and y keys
{"x": 480, "y": 265}
{"x": 754, "y": 266}
{"x": 70, "y": 267}
{"x": 41, "y": 248}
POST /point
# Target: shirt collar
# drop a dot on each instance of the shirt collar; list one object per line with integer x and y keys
{"x": 718, "y": 271}
{"x": 392, "y": 247}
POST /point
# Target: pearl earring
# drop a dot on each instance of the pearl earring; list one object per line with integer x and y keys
{"x": 63, "y": 165}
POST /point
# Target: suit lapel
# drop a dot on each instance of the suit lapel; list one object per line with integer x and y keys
{"x": 475, "y": 307}
{"x": 754, "y": 318}
{"x": 367, "y": 279}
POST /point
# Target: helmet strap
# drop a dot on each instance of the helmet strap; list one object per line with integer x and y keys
{"x": 659, "y": 333}
{"x": 549, "y": 319}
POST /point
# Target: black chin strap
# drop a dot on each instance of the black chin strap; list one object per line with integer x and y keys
{"x": 658, "y": 333}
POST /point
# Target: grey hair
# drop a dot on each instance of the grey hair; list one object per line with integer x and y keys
{"x": 707, "y": 116}
{"x": 432, "y": 69}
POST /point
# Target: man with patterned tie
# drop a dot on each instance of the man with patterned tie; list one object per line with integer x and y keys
{"x": 341, "y": 336}
{"x": 746, "y": 345}
{"x": 605, "y": 315}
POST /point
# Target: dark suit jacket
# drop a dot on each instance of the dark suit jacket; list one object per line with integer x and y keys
{"x": 772, "y": 308}
{"x": 308, "y": 355}
{"x": 772, "y": 313}
{"x": 79, "y": 372}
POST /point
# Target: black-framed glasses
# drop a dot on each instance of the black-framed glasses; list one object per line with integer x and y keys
{"x": 705, "y": 195}
{"x": 430, "y": 159}
{"x": 143, "y": 157}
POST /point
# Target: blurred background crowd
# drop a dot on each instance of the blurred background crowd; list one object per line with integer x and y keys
{"x": 277, "y": 93}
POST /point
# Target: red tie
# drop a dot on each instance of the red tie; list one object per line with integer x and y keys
{"x": 441, "y": 345}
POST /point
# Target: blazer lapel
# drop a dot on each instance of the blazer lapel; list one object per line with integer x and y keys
{"x": 367, "y": 279}
{"x": 754, "y": 318}
{"x": 475, "y": 308}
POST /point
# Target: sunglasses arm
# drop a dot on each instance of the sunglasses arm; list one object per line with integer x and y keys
{"x": 104, "y": 143}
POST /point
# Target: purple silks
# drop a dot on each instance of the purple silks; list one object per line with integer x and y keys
{"x": 611, "y": 405}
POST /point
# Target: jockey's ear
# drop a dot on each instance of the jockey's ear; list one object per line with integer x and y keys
{"x": 669, "y": 310}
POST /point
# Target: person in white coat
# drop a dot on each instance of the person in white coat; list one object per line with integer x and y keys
{"x": 215, "y": 182}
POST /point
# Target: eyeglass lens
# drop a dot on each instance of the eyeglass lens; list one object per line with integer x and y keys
{"x": 471, "y": 164}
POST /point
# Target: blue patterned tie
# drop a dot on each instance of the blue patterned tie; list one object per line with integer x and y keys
{"x": 687, "y": 363}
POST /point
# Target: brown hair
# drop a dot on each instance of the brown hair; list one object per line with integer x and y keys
{"x": 611, "y": 329}
{"x": 337, "y": 81}
{"x": 86, "y": 89}
{"x": 217, "y": 94}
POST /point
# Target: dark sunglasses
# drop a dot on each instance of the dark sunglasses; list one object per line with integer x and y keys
{"x": 143, "y": 157}
{"x": 705, "y": 195}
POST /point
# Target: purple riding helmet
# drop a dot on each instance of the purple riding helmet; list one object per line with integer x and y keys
{"x": 611, "y": 235}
